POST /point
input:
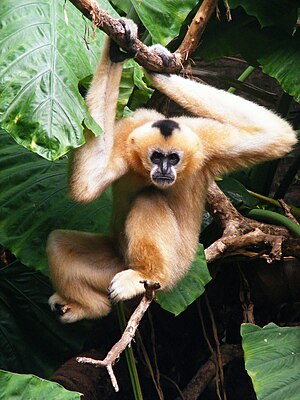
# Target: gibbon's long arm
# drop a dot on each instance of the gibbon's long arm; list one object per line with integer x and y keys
{"x": 92, "y": 166}
{"x": 234, "y": 132}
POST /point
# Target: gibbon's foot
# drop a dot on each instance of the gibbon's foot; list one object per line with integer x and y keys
{"x": 61, "y": 309}
{"x": 66, "y": 313}
{"x": 126, "y": 285}
{"x": 97, "y": 306}
{"x": 163, "y": 53}
{"x": 131, "y": 31}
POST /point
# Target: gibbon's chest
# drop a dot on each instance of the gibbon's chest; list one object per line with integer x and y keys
{"x": 125, "y": 191}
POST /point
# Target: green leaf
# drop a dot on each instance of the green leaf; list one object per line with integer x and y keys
{"x": 163, "y": 18}
{"x": 282, "y": 62}
{"x": 281, "y": 13}
{"x": 42, "y": 59}
{"x": 237, "y": 193}
{"x": 123, "y": 5}
{"x": 34, "y": 200}
{"x": 126, "y": 87}
{"x": 189, "y": 288}
{"x": 17, "y": 386}
{"x": 276, "y": 51}
{"x": 32, "y": 339}
{"x": 272, "y": 358}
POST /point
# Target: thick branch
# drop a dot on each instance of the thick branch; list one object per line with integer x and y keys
{"x": 220, "y": 207}
{"x": 113, "y": 28}
{"x": 146, "y": 58}
{"x": 245, "y": 236}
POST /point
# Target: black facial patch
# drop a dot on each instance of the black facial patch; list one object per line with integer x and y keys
{"x": 166, "y": 126}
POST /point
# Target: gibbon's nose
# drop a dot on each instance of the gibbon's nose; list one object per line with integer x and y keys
{"x": 165, "y": 166}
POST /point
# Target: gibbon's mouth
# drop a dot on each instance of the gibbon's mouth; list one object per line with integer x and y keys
{"x": 163, "y": 180}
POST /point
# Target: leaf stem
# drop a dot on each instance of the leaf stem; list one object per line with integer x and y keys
{"x": 294, "y": 210}
{"x": 248, "y": 71}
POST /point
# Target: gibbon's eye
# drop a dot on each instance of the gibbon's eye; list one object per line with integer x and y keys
{"x": 174, "y": 158}
{"x": 156, "y": 157}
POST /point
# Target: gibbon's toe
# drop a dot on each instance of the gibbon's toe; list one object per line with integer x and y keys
{"x": 64, "y": 311}
{"x": 125, "y": 285}
{"x": 61, "y": 309}
{"x": 56, "y": 301}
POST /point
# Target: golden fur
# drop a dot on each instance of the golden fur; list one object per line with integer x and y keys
{"x": 154, "y": 232}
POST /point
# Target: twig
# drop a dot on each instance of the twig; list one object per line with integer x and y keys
{"x": 287, "y": 211}
{"x": 114, "y": 354}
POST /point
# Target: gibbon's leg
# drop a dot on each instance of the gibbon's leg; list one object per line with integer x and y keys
{"x": 152, "y": 235}
{"x": 81, "y": 266}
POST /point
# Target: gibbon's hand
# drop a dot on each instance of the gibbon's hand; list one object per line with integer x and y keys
{"x": 131, "y": 32}
{"x": 163, "y": 53}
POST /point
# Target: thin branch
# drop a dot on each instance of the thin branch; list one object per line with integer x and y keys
{"x": 208, "y": 371}
{"x": 196, "y": 29}
{"x": 114, "y": 354}
{"x": 287, "y": 211}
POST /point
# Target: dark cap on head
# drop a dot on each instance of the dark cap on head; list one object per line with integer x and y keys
{"x": 166, "y": 126}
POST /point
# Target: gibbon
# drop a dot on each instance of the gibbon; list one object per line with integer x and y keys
{"x": 160, "y": 169}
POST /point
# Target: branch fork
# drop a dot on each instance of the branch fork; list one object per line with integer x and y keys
{"x": 240, "y": 233}
{"x": 115, "y": 352}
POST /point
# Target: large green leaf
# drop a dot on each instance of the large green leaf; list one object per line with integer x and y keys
{"x": 281, "y": 13}
{"x": 272, "y": 358}
{"x": 163, "y": 18}
{"x": 236, "y": 192}
{"x": 30, "y": 387}
{"x": 34, "y": 200}
{"x": 32, "y": 340}
{"x": 282, "y": 62}
{"x": 42, "y": 59}
{"x": 277, "y": 51}
{"x": 189, "y": 288}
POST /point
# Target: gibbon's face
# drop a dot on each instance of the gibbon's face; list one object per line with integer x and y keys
{"x": 163, "y": 172}
{"x": 164, "y": 151}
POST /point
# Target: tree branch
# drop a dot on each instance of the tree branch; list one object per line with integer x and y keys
{"x": 146, "y": 58}
{"x": 114, "y": 29}
{"x": 114, "y": 354}
{"x": 208, "y": 370}
{"x": 241, "y": 234}
{"x": 196, "y": 29}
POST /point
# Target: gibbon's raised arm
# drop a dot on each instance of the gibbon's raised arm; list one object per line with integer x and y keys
{"x": 92, "y": 167}
{"x": 234, "y": 132}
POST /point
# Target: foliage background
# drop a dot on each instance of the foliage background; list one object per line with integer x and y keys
{"x": 47, "y": 55}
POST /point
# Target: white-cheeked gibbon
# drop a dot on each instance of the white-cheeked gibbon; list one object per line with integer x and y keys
{"x": 160, "y": 170}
